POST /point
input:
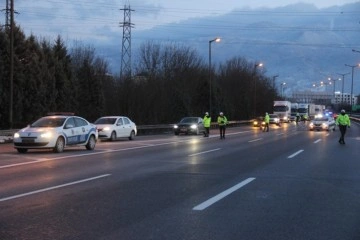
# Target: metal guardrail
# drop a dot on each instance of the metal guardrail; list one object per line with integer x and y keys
{"x": 6, "y": 135}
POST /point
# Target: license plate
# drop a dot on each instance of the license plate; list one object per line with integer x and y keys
{"x": 28, "y": 140}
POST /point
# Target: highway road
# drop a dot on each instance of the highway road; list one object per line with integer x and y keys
{"x": 289, "y": 183}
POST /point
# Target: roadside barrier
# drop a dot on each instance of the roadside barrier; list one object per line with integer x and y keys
{"x": 6, "y": 136}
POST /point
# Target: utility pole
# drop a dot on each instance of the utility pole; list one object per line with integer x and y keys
{"x": 7, "y": 14}
{"x": 12, "y": 25}
{"x": 126, "y": 42}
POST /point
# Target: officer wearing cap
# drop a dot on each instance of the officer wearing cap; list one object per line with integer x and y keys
{"x": 207, "y": 124}
{"x": 267, "y": 121}
{"x": 222, "y": 121}
{"x": 343, "y": 121}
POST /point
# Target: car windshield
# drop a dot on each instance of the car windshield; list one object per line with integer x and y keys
{"x": 105, "y": 121}
{"x": 321, "y": 119}
{"x": 49, "y": 122}
{"x": 189, "y": 120}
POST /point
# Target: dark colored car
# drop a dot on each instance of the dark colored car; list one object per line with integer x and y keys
{"x": 189, "y": 125}
{"x": 259, "y": 122}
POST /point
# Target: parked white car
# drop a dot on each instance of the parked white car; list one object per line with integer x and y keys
{"x": 115, "y": 127}
{"x": 56, "y": 131}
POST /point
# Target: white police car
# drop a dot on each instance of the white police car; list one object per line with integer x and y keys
{"x": 56, "y": 131}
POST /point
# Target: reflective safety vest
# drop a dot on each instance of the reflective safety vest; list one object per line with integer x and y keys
{"x": 222, "y": 120}
{"x": 343, "y": 120}
{"x": 267, "y": 118}
{"x": 207, "y": 121}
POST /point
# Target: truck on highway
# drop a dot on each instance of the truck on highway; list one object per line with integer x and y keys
{"x": 307, "y": 109}
{"x": 283, "y": 110}
{"x": 294, "y": 110}
{"x": 319, "y": 110}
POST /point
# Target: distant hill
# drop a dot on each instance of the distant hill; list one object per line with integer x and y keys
{"x": 300, "y": 43}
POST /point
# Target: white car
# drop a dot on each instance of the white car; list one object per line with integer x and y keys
{"x": 322, "y": 123}
{"x": 114, "y": 127}
{"x": 56, "y": 132}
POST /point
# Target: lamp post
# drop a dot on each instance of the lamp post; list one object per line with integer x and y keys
{"x": 342, "y": 87}
{"x": 282, "y": 88}
{"x": 333, "y": 80}
{"x": 274, "y": 78}
{"x": 210, "y": 81}
{"x": 254, "y": 79}
{"x": 352, "y": 82}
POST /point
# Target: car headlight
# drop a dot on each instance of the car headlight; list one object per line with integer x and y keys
{"x": 285, "y": 118}
{"x": 311, "y": 125}
{"x": 176, "y": 126}
{"x": 46, "y": 135}
{"x": 255, "y": 123}
{"x": 106, "y": 129}
{"x": 194, "y": 126}
{"x": 276, "y": 120}
{"x": 325, "y": 125}
{"x": 16, "y": 135}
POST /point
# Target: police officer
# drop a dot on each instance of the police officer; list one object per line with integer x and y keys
{"x": 222, "y": 121}
{"x": 343, "y": 121}
{"x": 297, "y": 119}
{"x": 267, "y": 121}
{"x": 207, "y": 123}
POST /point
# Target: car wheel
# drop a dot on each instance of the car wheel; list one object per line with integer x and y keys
{"x": 59, "y": 145}
{"x": 132, "y": 135}
{"x": 22, "y": 150}
{"x": 91, "y": 143}
{"x": 113, "y": 136}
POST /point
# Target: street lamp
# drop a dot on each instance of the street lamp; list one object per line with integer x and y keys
{"x": 213, "y": 40}
{"x": 282, "y": 88}
{"x": 333, "y": 80}
{"x": 254, "y": 79}
{"x": 274, "y": 78}
{"x": 352, "y": 82}
{"x": 342, "y": 88}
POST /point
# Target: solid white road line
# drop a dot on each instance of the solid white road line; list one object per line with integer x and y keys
{"x": 298, "y": 152}
{"x": 52, "y": 188}
{"x": 220, "y": 196}
{"x": 217, "y": 149}
{"x": 319, "y": 140}
{"x": 255, "y": 140}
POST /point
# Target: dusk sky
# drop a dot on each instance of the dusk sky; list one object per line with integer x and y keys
{"x": 82, "y": 18}
{"x": 98, "y": 22}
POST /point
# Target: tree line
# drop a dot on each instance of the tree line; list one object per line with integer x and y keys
{"x": 169, "y": 81}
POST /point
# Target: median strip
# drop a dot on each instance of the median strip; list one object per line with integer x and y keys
{"x": 221, "y": 195}
{"x": 52, "y": 188}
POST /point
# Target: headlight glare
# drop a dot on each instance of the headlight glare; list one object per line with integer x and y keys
{"x": 46, "y": 135}
{"x": 194, "y": 126}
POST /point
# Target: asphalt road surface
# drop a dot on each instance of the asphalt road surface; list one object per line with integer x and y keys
{"x": 286, "y": 184}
